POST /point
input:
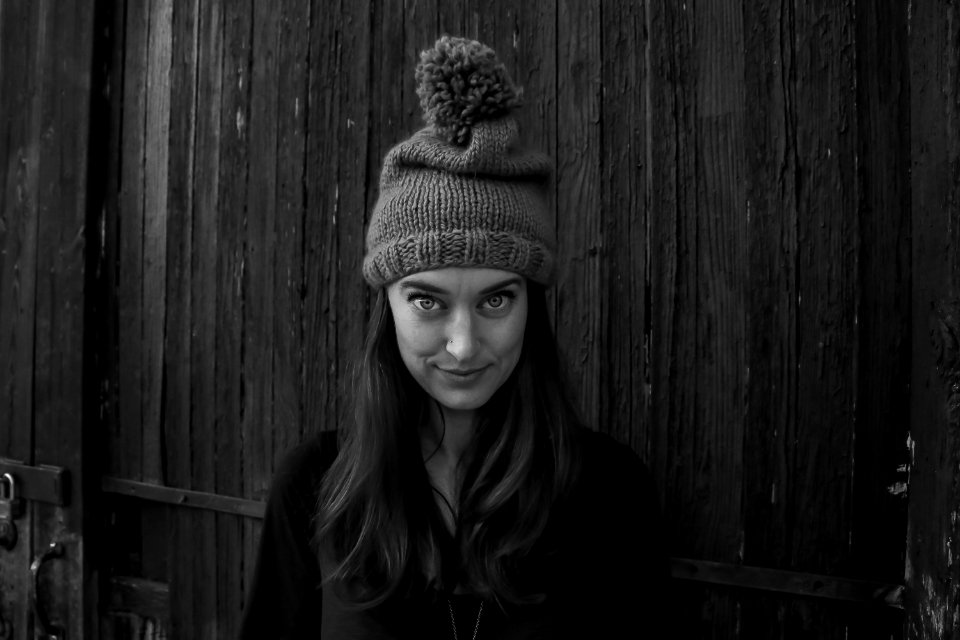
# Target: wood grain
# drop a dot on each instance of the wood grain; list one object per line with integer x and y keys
{"x": 732, "y": 211}
{"x": 933, "y": 529}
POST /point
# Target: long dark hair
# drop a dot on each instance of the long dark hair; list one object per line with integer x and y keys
{"x": 376, "y": 531}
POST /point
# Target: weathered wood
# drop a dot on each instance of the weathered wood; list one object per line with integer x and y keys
{"x": 699, "y": 48}
{"x": 710, "y": 243}
{"x": 258, "y": 274}
{"x": 672, "y": 234}
{"x": 19, "y": 222}
{"x": 179, "y": 248}
{"x": 625, "y": 269}
{"x": 128, "y": 432}
{"x": 181, "y": 556}
{"x": 322, "y": 193}
{"x": 536, "y": 46}
{"x": 198, "y": 530}
{"x": 933, "y": 529}
{"x": 287, "y": 410}
{"x": 145, "y": 598}
{"x": 183, "y": 497}
{"x": 882, "y": 320}
{"x": 232, "y": 214}
{"x": 61, "y": 415}
{"x": 792, "y": 582}
{"x": 156, "y": 213}
{"x": 771, "y": 358}
{"x": 352, "y": 130}
{"x": 579, "y": 218}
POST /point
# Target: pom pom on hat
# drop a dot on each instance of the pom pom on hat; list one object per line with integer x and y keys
{"x": 461, "y": 82}
{"x": 463, "y": 191}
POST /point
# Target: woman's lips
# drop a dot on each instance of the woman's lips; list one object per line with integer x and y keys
{"x": 461, "y": 376}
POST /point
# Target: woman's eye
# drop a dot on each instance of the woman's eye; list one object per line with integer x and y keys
{"x": 498, "y": 301}
{"x": 424, "y": 303}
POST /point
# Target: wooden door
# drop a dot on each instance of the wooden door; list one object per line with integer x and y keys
{"x": 46, "y": 51}
{"x": 183, "y": 194}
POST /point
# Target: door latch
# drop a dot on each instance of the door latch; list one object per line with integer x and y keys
{"x": 11, "y": 508}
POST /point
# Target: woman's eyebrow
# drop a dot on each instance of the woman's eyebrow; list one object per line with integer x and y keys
{"x": 418, "y": 284}
{"x": 502, "y": 285}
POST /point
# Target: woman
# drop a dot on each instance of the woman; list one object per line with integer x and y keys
{"x": 463, "y": 500}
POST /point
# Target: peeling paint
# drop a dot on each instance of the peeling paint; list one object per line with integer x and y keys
{"x": 898, "y": 489}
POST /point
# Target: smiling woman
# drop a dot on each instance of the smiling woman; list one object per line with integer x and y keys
{"x": 460, "y": 332}
{"x": 463, "y": 498}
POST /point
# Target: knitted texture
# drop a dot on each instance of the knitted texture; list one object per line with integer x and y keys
{"x": 462, "y": 191}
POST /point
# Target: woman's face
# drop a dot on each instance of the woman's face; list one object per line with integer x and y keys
{"x": 460, "y": 331}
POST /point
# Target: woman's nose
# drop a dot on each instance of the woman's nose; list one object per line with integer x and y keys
{"x": 461, "y": 337}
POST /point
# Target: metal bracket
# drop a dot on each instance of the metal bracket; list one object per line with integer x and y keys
{"x": 40, "y": 483}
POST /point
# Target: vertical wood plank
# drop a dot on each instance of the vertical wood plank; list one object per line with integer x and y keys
{"x": 721, "y": 231}
{"x": 259, "y": 270}
{"x": 353, "y": 133}
{"x": 129, "y": 430}
{"x": 177, "y": 549}
{"x": 698, "y": 358}
{"x": 18, "y": 221}
{"x": 288, "y": 273}
{"x": 827, "y": 264}
{"x": 20, "y": 86}
{"x": 536, "y": 71}
{"x": 580, "y": 246}
{"x": 109, "y": 258}
{"x": 878, "y": 535}
{"x": 320, "y": 379}
{"x": 673, "y": 293}
{"x": 423, "y": 22}
{"x": 259, "y": 238}
{"x": 65, "y": 52}
{"x": 156, "y": 167}
{"x": 671, "y": 163}
{"x": 771, "y": 210}
{"x": 200, "y": 529}
{"x": 933, "y": 529}
{"x": 625, "y": 269}
{"x": 231, "y": 373}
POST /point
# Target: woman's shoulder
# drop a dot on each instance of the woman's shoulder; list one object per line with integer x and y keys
{"x": 602, "y": 456}
{"x": 302, "y": 468}
{"x": 609, "y": 473}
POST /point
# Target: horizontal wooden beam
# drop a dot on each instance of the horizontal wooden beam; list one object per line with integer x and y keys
{"x": 183, "y": 497}
{"x": 702, "y": 571}
{"x": 145, "y": 598}
{"x": 788, "y": 582}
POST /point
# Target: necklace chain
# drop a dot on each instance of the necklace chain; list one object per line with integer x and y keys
{"x": 453, "y": 621}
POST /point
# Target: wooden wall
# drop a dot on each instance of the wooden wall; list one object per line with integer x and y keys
{"x": 933, "y": 541}
{"x": 48, "y": 390}
{"x": 733, "y": 213}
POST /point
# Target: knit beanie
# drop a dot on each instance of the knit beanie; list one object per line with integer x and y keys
{"x": 462, "y": 191}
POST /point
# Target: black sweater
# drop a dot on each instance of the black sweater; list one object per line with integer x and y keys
{"x": 605, "y": 579}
